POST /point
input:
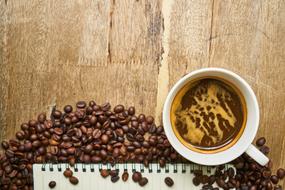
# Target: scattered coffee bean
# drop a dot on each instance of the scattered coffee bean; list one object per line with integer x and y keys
{"x": 104, "y": 173}
{"x": 81, "y": 104}
{"x": 68, "y": 172}
{"x": 274, "y": 179}
{"x": 52, "y": 184}
{"x": 67, "y": 109}
{"x": 260, "y": 141}
{"x": 119, "y": 108}
{"x": 114, "y": 179}
{"x": 5, "y": 145}
{"x": 266, "y": 173}
{"x": 281, "y": 173}
{"x": 136, "y": 176}
{"x": 143, "y": 181}
{"x": 73, "y": 180}
{"x": 168, "y": 181}
{"x": 264, "y": 149}
{"x": 125, "y": 176}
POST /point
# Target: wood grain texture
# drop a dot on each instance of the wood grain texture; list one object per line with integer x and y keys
{"x": 133, "y": 51}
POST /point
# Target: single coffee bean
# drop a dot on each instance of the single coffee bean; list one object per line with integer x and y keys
{"x": 56, "y": 114}
{"x": 42, "y": 117}
{"x": 204, "y": 179}
{"x": 264, "y": 149}
{"x": 281, "y": 173}
{"x": 52, "y": 184}
{"x": 136, "y": 176}
{"x": 81, "y": 104}
{"x": 149, "y": 119}
{"x": 68, "y": 172}
{"x": 143, "y": 181}
{"x": 131, "y": 110}
{"x": 5, "y": 145}
{"x": 266, "y": 174}
{"x": 125, "y": 176}
{"x": 104, "y": 139}
{"x": 119, "y": 108}
{"x": 114, "y": 179}
{"x": 73, "y": 180}
{"x": 67, "y": 109}
{"x": 104, "y": 173}
{"x": 274, "y": 179}
{"x": 169, "y": 182}
{"x": 260, "y": 142}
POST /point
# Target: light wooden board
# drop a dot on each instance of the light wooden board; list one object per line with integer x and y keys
{"x": 133, "y": 51}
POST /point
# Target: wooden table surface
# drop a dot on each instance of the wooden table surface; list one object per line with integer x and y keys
{"x": 133, "y": 51}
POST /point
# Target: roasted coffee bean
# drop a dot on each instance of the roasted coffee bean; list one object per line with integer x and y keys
{"x": 105, "y": 139}
{"x": 204, "y": 179}
{"x": 264, "y": 149}
{"x": 141, "y": 118}
{"x": 168, "y": 181}
{"x": 81, "y": 104}
{"x": 281, "y": 173}
{"x": 119, "y": 108}
{"x": 56, "y": 114}
{"x": 5, "y": 145}
{"x": 149, "y": 119}
{"x": 52, "y": 184}
{"x": 68, "y": 172}
{"x": 260, "y": 141}
{"x": 143, "y": 181}
{"x": 88, "y": 148}
{"x": 104, "y": 173}
{"x": 73, "y": 180}
{"x": 125, "y": 176}
{"x": 114, "y": 179}
{"x": 266, "y": 174}
{"x": 274, "y": 179}
{"x": 131, "y": 110}
{"x": 136, "y": 176}
{"x": 67, "y": 108}
{"x": 196, "y": 180}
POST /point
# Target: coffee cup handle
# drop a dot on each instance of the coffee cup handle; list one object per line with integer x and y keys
{"x": 257, "y": 155}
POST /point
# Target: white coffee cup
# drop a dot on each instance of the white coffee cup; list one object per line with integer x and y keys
{"x": 243, "y": 144}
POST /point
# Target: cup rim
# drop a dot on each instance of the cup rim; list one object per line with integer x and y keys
{"x": 223, "y": 156}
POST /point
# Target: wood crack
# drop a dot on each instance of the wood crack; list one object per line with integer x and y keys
{"x": 211, "y": 33}
{"x": 163, "y": 68}
{"x": 112, "y": 7}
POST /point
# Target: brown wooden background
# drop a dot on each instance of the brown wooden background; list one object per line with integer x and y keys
{"x": 133, "y": 51}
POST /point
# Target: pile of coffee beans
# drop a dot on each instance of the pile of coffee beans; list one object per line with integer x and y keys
{"x": 93, "y": 133}
{"x": 247, "y": 175}
{"x": 88, "y": 133}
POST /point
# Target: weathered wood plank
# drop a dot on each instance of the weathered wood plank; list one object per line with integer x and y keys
{"x": 132, "y": 52}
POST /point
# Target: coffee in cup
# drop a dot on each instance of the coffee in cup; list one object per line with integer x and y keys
{"x": 208, "y": 115}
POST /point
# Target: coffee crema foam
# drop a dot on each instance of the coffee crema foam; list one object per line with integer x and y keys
{"x": 208, "y": 114}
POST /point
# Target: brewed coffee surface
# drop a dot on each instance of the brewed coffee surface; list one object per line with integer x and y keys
{"x": 209, "y": 114}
